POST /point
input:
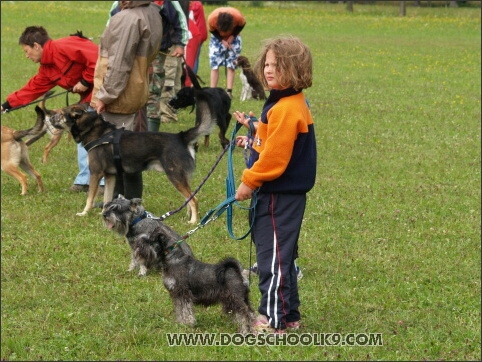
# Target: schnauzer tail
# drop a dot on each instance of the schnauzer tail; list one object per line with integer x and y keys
{"x": 222, "y": 268}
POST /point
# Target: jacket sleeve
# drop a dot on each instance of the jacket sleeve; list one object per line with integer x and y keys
{"x": 177, "y": 19}
{"x": 36, "y": 87}
{"x": 277, "y": 146}
{"x": 124, "y": 36}
{"x": 182, "y": 25}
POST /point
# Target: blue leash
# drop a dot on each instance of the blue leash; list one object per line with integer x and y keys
{"x": 227, "y": 205}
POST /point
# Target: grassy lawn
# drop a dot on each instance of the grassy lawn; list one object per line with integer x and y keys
{"x": 391, "y": 237}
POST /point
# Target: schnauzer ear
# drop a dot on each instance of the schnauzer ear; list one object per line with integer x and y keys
{"x": 121, "y": 197}
{"x": 135, "y": 202}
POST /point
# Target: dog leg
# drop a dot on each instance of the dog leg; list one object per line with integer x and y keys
{"x": 28, "y": 167}
{"x": 184, "y": 311}
{"x": 93, "y": 188}
{"x": 133, "y": 263}
{"x": 12, "y": 170}
{"x": 142, "y": 270}
{"x": 53, "y": 142}
{"x": 185, "y": 190}
{"x": 206, "y": 140}
{"x": 109, "y": 185}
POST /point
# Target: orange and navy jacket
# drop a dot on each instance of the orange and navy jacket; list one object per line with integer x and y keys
{"x": 284, "y": 147}
{"x": 64, "y": 63}
{"x": 238, "y": 20}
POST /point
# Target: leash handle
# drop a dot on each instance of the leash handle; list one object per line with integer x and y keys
{"x": 230, "y": 184}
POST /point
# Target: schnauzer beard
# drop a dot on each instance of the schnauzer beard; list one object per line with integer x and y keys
{"x": 118, "y": 216}
{"x": 117, "y": 223}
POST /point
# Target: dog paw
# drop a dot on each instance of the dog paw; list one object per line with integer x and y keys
{"x": 143, "y": 271}
{"x": 83, "y": 213}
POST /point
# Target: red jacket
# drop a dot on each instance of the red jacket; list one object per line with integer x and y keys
{"x": 64, "y": 63}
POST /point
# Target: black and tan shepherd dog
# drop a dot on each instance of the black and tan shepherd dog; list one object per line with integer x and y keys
{"x": 210, "y": 103}
{"x": 112, "y": 150}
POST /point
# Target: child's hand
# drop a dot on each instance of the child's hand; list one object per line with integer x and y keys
{"x": 243, "y": 192}
{"x": 241, "y": 118}
{"x": 243, "y": 141}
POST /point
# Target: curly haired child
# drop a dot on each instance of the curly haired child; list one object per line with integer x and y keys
{"x": 282, "y": 171}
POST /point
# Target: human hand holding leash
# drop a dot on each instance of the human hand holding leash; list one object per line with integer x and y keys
{"x": 178, "y": 52}
{"x": 99, "y": 107}
{"x": 79, "y": 88}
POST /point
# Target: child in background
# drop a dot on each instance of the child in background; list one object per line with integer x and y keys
{"x": 283, "y": 170}
{"x": 225, "y": 25}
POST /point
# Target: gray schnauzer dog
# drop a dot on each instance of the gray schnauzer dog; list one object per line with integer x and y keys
{"x": 129, "y": 218}
{"x": 191, "y": 282}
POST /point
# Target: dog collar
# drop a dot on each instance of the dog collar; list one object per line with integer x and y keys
{"x": 173, "y": 246}
{"x": 144, "y": 215}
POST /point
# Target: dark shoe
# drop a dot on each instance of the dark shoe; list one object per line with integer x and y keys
{"x": 78, "y": 188}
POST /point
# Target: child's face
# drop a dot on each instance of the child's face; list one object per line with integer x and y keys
{"x": 270, "y": 72}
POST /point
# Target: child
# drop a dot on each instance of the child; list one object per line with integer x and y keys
{"x": 225, "y": 25}
{"x": 283, "y": 170}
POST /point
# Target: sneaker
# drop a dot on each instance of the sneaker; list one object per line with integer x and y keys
{"x": 261, "y": 325}
{"x": 78, "y": 188}
{"x": 293, "y": 325}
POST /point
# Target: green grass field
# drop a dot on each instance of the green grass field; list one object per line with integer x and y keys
{"x": 391, "y": 236}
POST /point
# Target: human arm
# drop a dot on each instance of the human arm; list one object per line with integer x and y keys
{"x": 274, "y": 143}
{"x": 179, "y": 27}
{"x": 119, "y": 42}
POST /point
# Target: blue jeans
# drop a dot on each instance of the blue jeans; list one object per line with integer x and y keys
{"x": 84, "y": 174}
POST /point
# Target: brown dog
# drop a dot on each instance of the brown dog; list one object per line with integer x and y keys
{"x": 44, "y": 126}
{"x": 251, "y": 86}
{"x": 15, "y": 155}
{"x": 112, "y": 150}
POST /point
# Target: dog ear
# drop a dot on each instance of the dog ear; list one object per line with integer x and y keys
{"x": 135, "y": 202}
{"x": 121, "y": 197}
{"x": 75, "y": 112}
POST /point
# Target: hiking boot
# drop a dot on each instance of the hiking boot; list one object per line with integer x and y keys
{"x": 78, "y": 188}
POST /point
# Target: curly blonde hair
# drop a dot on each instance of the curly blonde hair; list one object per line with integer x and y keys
{"x": 294, "y": 62}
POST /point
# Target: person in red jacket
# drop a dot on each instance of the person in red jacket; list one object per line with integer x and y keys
{"x": 197, "y": 36}
{"x": 68, "y": 63}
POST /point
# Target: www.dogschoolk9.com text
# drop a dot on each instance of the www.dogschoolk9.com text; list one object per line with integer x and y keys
{"x": 287, "y": 339}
